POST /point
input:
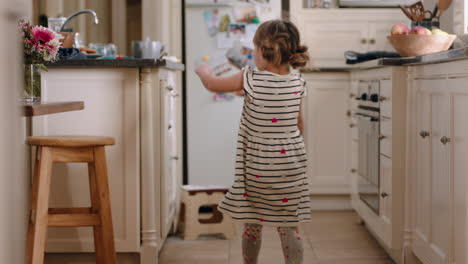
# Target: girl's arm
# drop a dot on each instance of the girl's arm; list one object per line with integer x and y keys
{"x": 219, "y": 84}
{"x": 300, "y": 121}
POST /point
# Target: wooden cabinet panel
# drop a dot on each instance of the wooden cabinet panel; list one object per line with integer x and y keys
{"x": 433, "y": 184}
{"x": 386, "y": 190}
{"x": 329, "y": 40}
{"x": 386, "y": 97}
{"x": 386, "y": 137}
{"x": 111, "y": 99}
{"x": 326, "y": 132}
{"x": 459, "y": 145}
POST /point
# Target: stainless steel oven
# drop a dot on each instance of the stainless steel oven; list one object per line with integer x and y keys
{"x": 368, "y": 116}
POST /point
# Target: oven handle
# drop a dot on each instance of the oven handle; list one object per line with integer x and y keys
{"x": 366, "y": 117}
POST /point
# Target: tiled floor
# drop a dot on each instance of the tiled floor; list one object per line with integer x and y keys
{"x": 333, "y": 237}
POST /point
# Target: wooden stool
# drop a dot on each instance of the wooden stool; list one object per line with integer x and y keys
{"x": 55, "y": 149}
{"x": 194, "y": 197}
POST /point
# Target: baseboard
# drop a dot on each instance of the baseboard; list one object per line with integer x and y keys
{"x": 88, "y": 258}
{"x": 324, "y": 202}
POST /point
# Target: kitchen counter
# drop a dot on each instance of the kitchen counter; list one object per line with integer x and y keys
{"x": 47, "y": 108}
{"x": 444, "y": 56}
{"x": 117, "y": 63}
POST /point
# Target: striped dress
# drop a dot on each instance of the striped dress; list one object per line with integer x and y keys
{"x": 270, "y": 186}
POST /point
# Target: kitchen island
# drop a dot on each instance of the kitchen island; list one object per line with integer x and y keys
{"x": 424, "y": 203}
{"x": 138, "y": 102}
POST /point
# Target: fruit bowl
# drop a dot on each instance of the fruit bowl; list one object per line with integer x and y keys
{"x": 417, "y": 45}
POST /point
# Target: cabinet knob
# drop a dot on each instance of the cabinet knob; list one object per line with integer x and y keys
{"x": 169, "y": 88}
{"x": 384, "y": 194}
{"x": 382, "y": 98}
{"x": 382, "y": 137}
{"x": 169, "y": 126}
{"x": 175, "y": 157}
{"x": 424, "y": 134}
{"x": 352, "y": 125}
{"x": 372, "y": 41}
{"x": 353, "y": 170}
{"x": 445, "y": 140}
{"x": 363, "y": 41}
{"x": 352, "y": 95}
{"x": 348, "y": 113}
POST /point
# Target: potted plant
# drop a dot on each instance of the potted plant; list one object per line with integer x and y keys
{"x": 40, "y": 44}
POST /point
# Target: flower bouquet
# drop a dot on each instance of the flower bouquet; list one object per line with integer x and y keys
{"x": 40, "y": 44}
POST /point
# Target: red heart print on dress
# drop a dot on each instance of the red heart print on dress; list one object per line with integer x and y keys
{"x": 285, "y": 200}
{"x": 283, "y": 151}
{"x": 274, "y": 120}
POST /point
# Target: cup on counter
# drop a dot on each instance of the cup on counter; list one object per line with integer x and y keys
{"x": 104, "y": 49}
{"x": 146, "y": 49}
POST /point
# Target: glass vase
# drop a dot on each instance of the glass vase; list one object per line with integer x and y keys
{"x": 32, "y": 83}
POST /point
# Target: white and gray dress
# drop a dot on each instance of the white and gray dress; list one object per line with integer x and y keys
{"x": 271, "y": 186}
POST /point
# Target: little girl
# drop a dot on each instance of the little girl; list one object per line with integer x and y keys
{"x": 270, "y": 186}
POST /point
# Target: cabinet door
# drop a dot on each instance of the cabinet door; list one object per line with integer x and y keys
{"x": 459, "y": 145}
{"x": 326, "y": 133}
{"x": 328, "y": 40}
{"x": 386, "y": 191}
{"x": 433, "y": 184}
{"x": 169, "y": 174}
{"x": 378, "y": 32}
{"x": 111, "y": 99}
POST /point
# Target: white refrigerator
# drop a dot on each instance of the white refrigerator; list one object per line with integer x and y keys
{"x": 212, "y": 126}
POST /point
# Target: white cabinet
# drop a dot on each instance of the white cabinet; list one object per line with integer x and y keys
{"x": 388, "y": 223}
{"x": 111, "y": 99}
{"x": 440, "y": 133}
{"x": 330, "y": 32}
{"x": 140, "y": 108}
{"x": 325, "y": 132}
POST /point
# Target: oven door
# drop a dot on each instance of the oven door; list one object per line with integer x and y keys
{"x": 368, "y": 160}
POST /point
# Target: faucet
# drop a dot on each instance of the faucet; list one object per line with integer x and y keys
{"x": 96, "y": 21}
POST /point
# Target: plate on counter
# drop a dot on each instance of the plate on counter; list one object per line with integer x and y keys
{"x": 93, "y": 56}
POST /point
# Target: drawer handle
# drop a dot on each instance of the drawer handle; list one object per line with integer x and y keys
{"x": 424, "y": 134}
{"x": 382, "y": 137}
{"x": 372, "y": 41}
{"x": 353, "y": 170}
{"x": 382, "y": 98}
{"x": 175, "y": 157}
{"x": 445, "y": 140}
{"x": 169, "y": 88}
{"x": 363, "y": 41}
{"x": 352, "y": 125}
{"x": 384, "y": 194}
{"x": 169, "y": 126}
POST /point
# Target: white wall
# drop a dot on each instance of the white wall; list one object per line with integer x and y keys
{"x": 13, "y": 164}
{"x": 446, "y": 20}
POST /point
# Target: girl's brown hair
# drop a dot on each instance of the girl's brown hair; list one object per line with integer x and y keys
{"x": 280, "y": 43}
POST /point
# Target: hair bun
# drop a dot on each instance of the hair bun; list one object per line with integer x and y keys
{"x": 300, "y": 57}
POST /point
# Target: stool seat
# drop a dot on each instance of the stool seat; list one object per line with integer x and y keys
{"x": 70, "y": 141}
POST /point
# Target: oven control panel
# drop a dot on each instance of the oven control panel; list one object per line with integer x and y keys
{"x": 369, "y": 94}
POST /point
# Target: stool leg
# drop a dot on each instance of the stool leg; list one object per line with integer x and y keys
{"x": 37, "y": 226}
{"x": 103, "y": 234}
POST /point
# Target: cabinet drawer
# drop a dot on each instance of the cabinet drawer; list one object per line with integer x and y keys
{"x": 386, "y": 133}
{"x": 386, "y": 97}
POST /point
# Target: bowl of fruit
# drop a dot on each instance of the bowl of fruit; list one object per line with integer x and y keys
{"x": 419, "y": 40}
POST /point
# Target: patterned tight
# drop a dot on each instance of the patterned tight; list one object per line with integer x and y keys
{"x": 291, "y": 243}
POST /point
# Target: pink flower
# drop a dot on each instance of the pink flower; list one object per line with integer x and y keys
{"x": 42, "y": 34}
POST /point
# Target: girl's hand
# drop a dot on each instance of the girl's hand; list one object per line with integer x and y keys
{"x": 203, "y": 70}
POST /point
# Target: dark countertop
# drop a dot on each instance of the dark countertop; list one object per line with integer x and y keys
{"x": 439, "y": 57}
{"x": 47, "y": 108}
{"x": 117, "y": 63}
